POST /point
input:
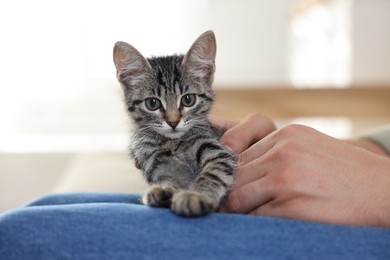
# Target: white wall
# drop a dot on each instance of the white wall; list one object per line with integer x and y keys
{"x": 371, "y": 42}
{"x": 252, "y": 40}
{"x": 58, "y": 86}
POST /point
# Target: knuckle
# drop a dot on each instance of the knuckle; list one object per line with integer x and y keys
{"x": 258, "y": 117}
{"x": 281, "y": 178}
{"x": 293, "y": 130}
{"x": 242, "y": 159}
{"x": 255, "y": 116}
{"x": 283, "y": 151}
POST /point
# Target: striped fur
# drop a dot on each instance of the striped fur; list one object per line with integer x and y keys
{"x": 174, "y": 144}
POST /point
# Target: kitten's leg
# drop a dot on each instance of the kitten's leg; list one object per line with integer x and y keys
{"x": 205, "y": 194}
{"x": 158, "y": 196}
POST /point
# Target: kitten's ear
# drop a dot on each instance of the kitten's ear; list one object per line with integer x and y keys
{"x": 130, "y": 65}
{"x": 200, "y": 59}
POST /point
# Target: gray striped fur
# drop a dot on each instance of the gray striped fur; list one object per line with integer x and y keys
{"x": 175, "y": 146}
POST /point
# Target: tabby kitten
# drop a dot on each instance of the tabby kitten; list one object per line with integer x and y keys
{"x": 174, "y": 144}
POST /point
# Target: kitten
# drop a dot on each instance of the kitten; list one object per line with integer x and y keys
{"x": 174, "y": 144}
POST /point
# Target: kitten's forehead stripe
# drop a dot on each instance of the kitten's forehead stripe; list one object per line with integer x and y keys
{"x": 159, "y": 91}
{"x": 167, "y": 72}
{"x": 160, "y": 77}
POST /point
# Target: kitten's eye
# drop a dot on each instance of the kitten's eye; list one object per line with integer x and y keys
{"x": 152, "y": 104}
{"x": 188, "y": 100}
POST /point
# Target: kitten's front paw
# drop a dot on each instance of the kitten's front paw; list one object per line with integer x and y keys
{"x": 157, "y": 196}
{"x": 192, "y": 204}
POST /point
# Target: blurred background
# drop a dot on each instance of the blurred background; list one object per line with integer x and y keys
{"x": 63, "y": 127}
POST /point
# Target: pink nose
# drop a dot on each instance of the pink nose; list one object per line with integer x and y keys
{"x": 173, "y": 124}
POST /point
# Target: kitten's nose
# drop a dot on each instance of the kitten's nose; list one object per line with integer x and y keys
{"x": 173, "y": 124}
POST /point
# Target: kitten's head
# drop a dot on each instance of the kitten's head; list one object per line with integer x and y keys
{"x": 168, "y": 95}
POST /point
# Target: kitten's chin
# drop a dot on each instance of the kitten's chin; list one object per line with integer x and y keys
{"x": 173, "y": 134}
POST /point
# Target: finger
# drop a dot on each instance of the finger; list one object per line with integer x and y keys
{"x": 247, "y": 198}
{"x": 249, "y": 172}
{"x": 269, "y": 209}
{"x": 223, "y": 123}
{"x": 244, "y": 175}
{"x": 276, "y": 208}
{"x": 253, "y": 128}
{"x": 257, "y": 150}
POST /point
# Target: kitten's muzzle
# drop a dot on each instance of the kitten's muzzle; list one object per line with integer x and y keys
{"x": 173, "y": 124}
{"x": 172, "y": 119}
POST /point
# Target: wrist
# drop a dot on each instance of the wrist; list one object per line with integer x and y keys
{"x": 368, "y": 145}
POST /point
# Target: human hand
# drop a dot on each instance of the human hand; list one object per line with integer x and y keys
{"x": 243, "y": 134}
{"x": 298, "y": 172}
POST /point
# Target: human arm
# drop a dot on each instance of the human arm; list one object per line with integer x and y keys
{"x": 298, "y": 172}
{"x": 379, "y": 137}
